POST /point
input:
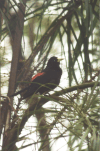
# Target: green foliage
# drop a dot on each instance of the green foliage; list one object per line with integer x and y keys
{"x": 67, "y": 29}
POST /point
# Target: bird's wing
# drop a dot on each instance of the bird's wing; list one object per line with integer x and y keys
{"x": 28, "y": 87}
{"x": 44, "y": 77}
{"x": 40, "y": 83}
{"x": 37, "y": 75}
{"x": 38, "y": 80}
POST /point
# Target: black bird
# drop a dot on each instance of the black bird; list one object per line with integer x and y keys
{"x": 44, "y": 81}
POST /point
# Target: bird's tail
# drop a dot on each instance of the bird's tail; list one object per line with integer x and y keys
{"x": 19, "y": 92}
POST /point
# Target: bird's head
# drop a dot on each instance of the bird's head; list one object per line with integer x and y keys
{"x": 54, "y": 62}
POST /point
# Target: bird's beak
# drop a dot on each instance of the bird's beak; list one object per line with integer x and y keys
{"x": 58, "y": 60}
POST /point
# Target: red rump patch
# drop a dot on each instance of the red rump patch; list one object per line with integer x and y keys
{"x": 37, "y": 75}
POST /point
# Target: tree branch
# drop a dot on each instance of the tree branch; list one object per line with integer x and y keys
{"x": 35, "y": 104}
{"x": 15, "y": 58}
{"x": 76, "y": 87}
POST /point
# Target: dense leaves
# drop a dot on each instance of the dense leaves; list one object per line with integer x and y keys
{"x": 32, "y": 32}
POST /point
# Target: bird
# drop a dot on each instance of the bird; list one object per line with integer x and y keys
{"x": 44, "y": 81}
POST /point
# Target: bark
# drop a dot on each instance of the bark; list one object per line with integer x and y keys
{"x": 14, "y": 64}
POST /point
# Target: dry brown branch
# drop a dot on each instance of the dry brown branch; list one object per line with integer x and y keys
{"x": 14, "y": 64}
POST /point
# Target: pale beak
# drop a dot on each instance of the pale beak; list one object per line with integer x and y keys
{"x": 60, "y": 59}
